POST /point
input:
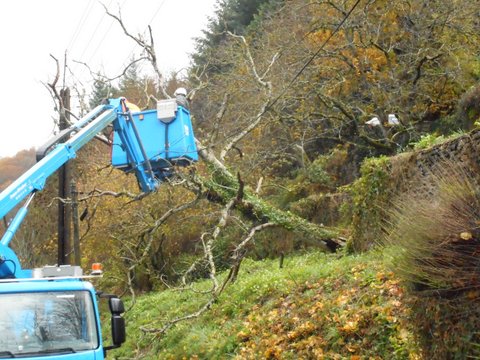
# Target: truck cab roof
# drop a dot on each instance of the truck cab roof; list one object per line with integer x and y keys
{"x": 41, "y": 285}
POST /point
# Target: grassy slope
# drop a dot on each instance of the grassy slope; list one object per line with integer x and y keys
{"x": 317, "y": 306}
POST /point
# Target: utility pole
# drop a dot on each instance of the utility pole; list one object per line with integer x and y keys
{"x": 76, "y": 225}
{"x": 64, "y": 179}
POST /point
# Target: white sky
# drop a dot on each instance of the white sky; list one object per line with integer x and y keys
{"x": 31, "y": 30}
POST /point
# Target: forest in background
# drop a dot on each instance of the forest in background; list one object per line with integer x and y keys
{"x": 282, "y": 93}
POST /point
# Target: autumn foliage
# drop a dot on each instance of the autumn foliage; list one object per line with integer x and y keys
{"x": 359, "y": 315}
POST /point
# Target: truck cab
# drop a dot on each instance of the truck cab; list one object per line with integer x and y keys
{"x": 55, "y": 316}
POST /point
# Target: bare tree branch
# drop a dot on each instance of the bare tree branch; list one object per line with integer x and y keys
{"x": 267, "y": 85}
{"x": 219, "y": 117}
{"x": 251, "y": 234}
{"x": 218, "y": 289}
{"x": 149, "y": 49}
{"x": 95, "y": 193}
{"x": 100, "y": 77}
{"x": 53, "y": 85}
{"x": 198, "y": 75}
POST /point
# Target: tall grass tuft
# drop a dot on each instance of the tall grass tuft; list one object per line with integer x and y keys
{"x": 434, "y": 235}
{"x": 433, "y": 240}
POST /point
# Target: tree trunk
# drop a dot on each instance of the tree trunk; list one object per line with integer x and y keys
{"x": 223, "y": 186}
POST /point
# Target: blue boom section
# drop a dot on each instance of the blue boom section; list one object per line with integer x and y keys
{"x": 86, "y": 129}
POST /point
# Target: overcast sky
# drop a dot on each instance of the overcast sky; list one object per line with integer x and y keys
{"x": 31, "y": 30}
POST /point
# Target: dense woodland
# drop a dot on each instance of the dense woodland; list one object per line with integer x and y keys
{"x": 282, "y": 94}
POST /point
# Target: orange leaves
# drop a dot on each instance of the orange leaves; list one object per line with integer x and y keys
{"x": 344, "y": 316}
{"x": 273, "y": 352}
{"x": 319, "y": 37}
{"x": 316, "y": 308}
{"x": 374, "y": 57}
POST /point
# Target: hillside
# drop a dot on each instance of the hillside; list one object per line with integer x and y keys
{"x": 12, "y": 167}
{"x": 316, "y": 306}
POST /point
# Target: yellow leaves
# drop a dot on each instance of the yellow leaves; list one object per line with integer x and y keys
{"x": 318, "y": 37}
{"x": 380, "y": 276}
{"x": 358, "y": 268}
{"x": 342, "y": 299}
{"x": 337, "y": 318}
{"x": 375, "y": 58}
{"x": 466, "y": 236}
{"x": 394, "y": 289}
{"x": 243, "y": 336}
{"x": 302, "y": 330}
{"x": 350, "y": 327}
{"x": 396, "y": 303}
{"x": 272, "y": 315}
{"x": 273, "y": 353}
{"x": 318, "y": 352}
{"x": 316, "y": 307}
{"x": 404, "y": 335}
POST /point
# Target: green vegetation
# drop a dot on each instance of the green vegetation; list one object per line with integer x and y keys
{"x": 429, "y": 140}
{"x": 331, "y": 305}
{"x": 370, "y": 195}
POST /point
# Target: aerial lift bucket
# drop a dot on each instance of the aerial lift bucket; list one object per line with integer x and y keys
{"x": 167, "y": 137}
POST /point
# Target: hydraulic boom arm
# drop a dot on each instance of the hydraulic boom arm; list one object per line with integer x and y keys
{"x": 83, "y": 131}
{"x": 86, "y": 129}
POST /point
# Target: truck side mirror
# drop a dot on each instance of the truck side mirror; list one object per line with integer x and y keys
{"x": 118, "y": 330}
{"x": 116, "y": 306}
{"x": 118, "y": 322}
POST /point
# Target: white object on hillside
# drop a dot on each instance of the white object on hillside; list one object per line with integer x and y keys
{"x": 373, "y": 121}
{"x": 393, "y": 120}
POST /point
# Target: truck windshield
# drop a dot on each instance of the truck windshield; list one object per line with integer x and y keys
{"x": 46, "y": 323}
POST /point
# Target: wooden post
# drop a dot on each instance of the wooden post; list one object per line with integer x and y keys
{"x": 64, "y": 212}
{"x": 76, "y": 224}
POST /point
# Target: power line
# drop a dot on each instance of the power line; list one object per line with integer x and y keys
{"x": 156, "y": 13}
{"x": 80, "y": 24}
{"x": 108, "y": 31}
{"x": 89, "y": 42}
{"x": 104, "y": 36}
{"x": 127, "y": 59}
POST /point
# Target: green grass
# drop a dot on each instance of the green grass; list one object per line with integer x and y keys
{"x": 317, "y": 303}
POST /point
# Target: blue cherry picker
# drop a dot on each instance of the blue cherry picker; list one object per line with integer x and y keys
{"x": 52, "y": 312}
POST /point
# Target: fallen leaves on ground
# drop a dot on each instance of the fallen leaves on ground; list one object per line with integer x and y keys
{"x": 360, "y": 315}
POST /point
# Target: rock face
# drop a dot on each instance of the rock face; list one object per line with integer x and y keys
{"x": 414, "y": 174}
{"x": 413, "y": 169}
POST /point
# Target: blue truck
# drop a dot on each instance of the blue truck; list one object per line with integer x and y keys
{"x": 53, "y": 312}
